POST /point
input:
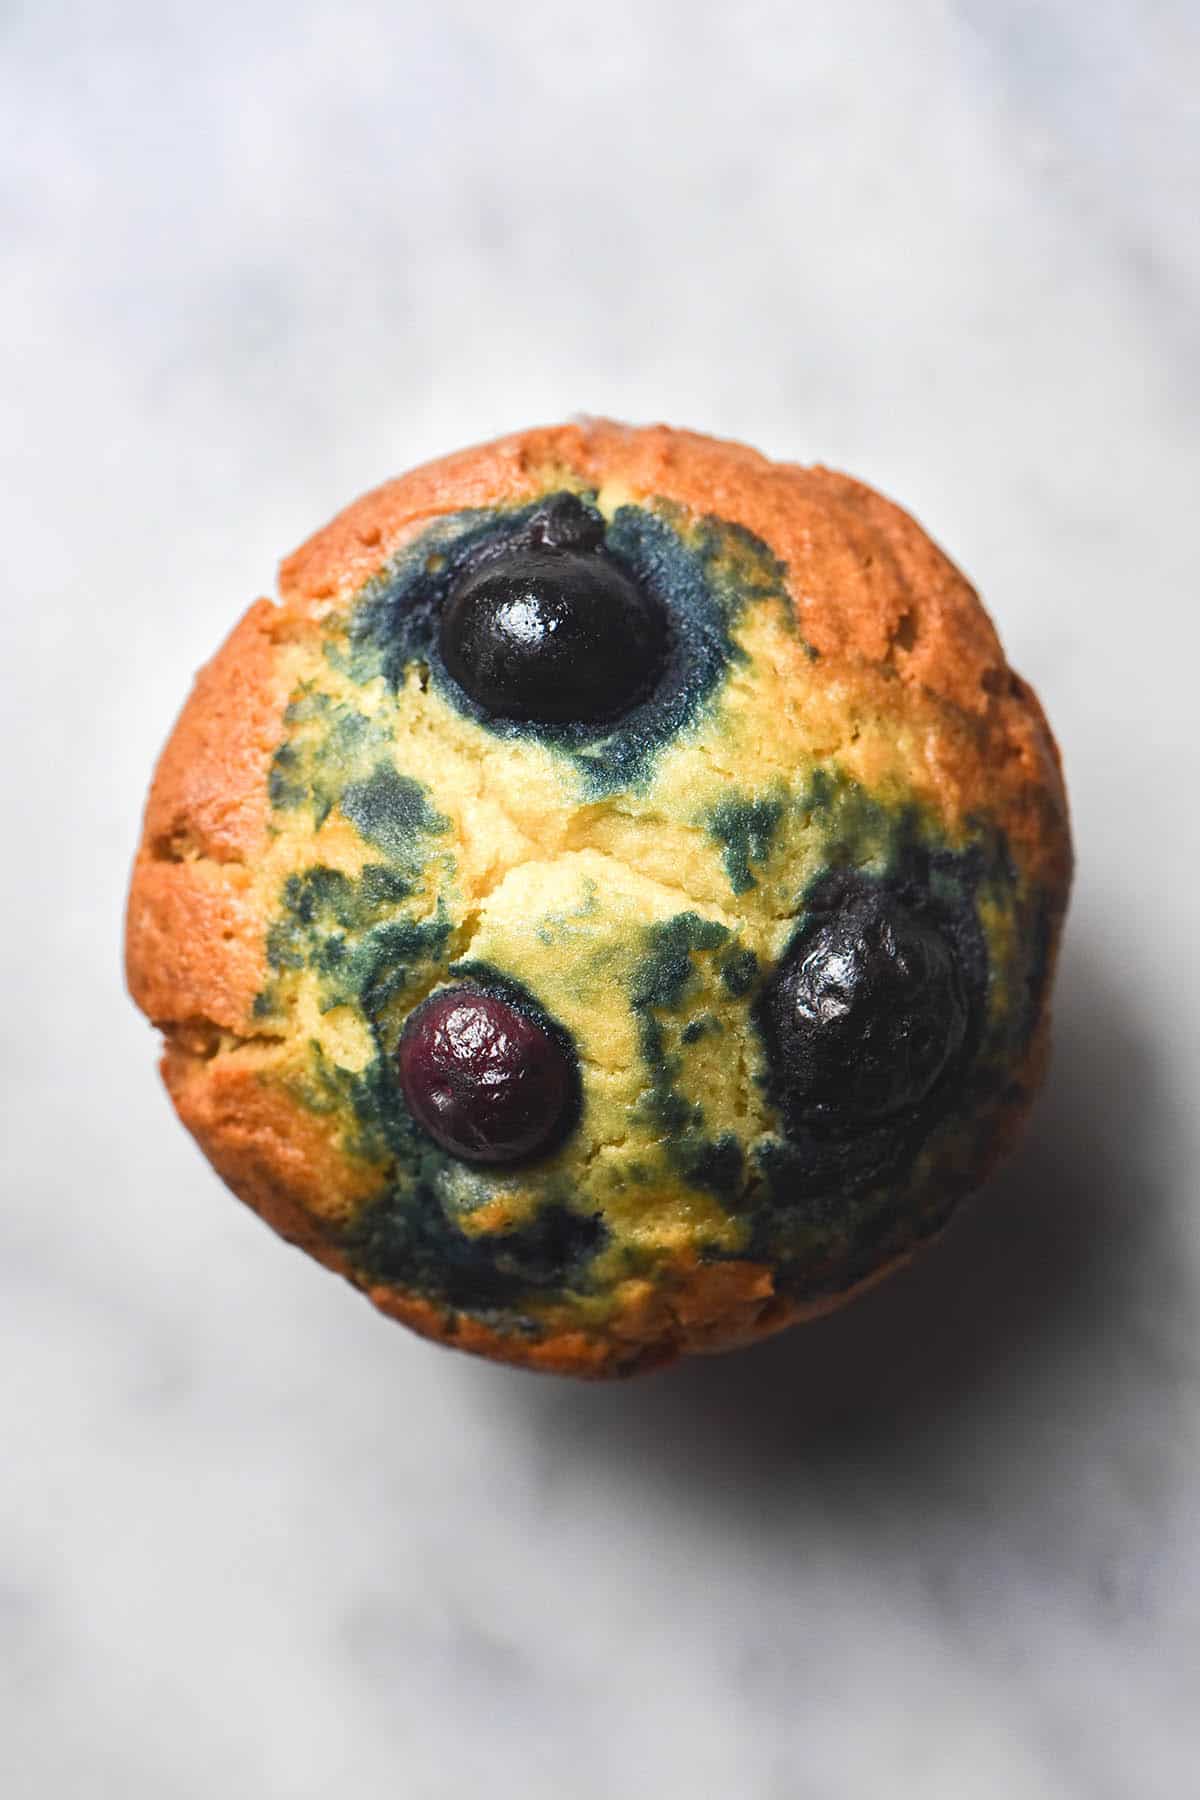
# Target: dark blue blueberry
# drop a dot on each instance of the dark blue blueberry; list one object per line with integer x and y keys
{"x": 863, "y": 1018}
{"x": 554, "y": 630}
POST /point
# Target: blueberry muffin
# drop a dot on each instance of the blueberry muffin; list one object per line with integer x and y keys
{"x": 606, "y": 907}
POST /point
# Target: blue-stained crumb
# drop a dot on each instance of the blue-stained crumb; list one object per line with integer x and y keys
{"x": 666, "y": 970}
{"x": 412, "y": 1242}
{"x": 739, "y": 971}
{"x": 703, "y": 1025}
{"x": 348, "y": 932}
{"x": 391, "y": 811}
{"x": 745, "y": 830}
{"x": 329, "y": 745}
{"x": 716, "y": 1164}
{"x": 672, "y": 968}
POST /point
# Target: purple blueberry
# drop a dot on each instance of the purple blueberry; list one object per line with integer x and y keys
{"x": 489, "y": 1081}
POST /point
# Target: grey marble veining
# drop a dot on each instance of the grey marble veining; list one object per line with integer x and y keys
{"x": 255, "y": 1541}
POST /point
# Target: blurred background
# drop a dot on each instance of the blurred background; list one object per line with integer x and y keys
{"x": 256, "y": 1541}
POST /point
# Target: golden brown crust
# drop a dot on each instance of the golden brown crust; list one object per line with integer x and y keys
{"x": 869, "y": 589}
{"x": 209, "y": 796}
{"x": 280, "y": 1159}
{"x": 193, "y": 946}
{"x": 193, "y": 943}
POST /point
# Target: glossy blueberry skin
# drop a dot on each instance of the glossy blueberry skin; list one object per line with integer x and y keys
{"x": 554, "y": 630}
{"x": 488, "y": 1081}
{"x": 863, "y": 1019}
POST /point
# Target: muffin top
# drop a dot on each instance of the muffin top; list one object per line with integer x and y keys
{"x": 606, "y": 906}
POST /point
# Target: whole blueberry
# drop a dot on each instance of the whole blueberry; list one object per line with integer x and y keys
{"x": 554, "y": 630}
{"x": 486, "y": 1079}
{"x": 863, "y": 1017}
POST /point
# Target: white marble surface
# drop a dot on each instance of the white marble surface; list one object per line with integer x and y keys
{"x": 255, "y": 1541}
